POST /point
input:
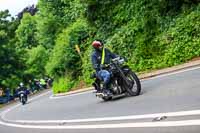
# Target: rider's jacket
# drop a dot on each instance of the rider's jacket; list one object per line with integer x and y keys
{"x": 97, "y": 58}
{"x": 22, "y": 89}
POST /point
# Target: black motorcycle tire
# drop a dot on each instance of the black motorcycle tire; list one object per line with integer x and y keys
{"x": 130, "y": 92}
{"x": 107, "y": 98}
{"x": 23, "y": 101}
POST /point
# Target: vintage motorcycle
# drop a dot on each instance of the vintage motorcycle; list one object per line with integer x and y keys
{"x": 22, "y": 97}
{"x": 123, "y": 80}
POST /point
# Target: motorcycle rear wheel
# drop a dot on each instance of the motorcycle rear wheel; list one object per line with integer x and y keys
{"x": 107, "y": 98}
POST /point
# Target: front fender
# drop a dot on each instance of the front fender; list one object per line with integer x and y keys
{"x": 126, "y": 69}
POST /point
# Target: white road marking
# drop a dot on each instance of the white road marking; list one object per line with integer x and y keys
{"x": 130, "y": 117}
{"x": 172, "y": 73}
{"x": 119, "y": 125}
{"x": 2, "y": 114}
{"x": 69, "y": 95}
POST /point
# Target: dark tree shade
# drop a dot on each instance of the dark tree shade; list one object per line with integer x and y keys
{"x": 30, "y": 9}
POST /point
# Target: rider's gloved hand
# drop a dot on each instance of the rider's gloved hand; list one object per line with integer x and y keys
{"x": 125, "y": 59}
{"x": 103, "y": 66}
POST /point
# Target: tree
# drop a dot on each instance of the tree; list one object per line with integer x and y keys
{"x": 49, "y": 21}
{"x": 54, "y": 16}
{"x": 26, "y": 32}
{"x": 36, "y": 60}
{"x": 10, "y": 58}
{"x": 30, "y": 9}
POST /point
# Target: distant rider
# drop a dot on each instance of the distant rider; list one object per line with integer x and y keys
{"x": 22, "y": 89}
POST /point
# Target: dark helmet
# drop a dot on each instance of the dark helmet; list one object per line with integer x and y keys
{"x": 97, "y": 44}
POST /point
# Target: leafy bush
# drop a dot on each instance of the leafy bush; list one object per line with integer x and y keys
{"x": 87, "y": 66}
{"x": 64, "y": 58}
{"x": 182, "y": 40}
{"x": 62, "y": 84}
{"x": 151, "y": 34}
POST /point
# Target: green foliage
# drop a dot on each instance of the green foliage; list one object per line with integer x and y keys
{"x": 64, "y": 58}
{"x": 10, "y": 58}
{"x": 73, "y": 10}
{"x": 53, "y": 17}
{"x": 49, "y": 21}
{"x": 136, "y": 30}
{"x": 36, "y": 61}
{"x": 26, "y": 32}
{"x": 182, "y": 40}
{"x": 87, "y": 65}
{"x": 62, "y": 84}
{"x": 12, "y": 81}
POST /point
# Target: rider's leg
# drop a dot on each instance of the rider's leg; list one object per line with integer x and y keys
{"x": 105, "y": 76}
{"x": 96, "y": 85}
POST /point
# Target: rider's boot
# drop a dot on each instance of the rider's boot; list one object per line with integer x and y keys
{"x": 106, "y": 90}
{"x": 96, "y": 87}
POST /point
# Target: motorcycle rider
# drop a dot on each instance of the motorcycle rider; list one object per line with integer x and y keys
{"x": 100, "y": 57}
{"x": 22, "y": 89}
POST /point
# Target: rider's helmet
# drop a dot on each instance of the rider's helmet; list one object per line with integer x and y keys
{"x": 97, "y": 44}
{"x": 21, "y": 84}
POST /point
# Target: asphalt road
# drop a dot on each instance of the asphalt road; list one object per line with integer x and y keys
{"x": 168, "y": 104}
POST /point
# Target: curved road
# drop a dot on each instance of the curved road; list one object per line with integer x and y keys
{"x": 168, "y": 103}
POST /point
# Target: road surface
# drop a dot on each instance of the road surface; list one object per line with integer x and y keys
{"x": 168, "y": 104}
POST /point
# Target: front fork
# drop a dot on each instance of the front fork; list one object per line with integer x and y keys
{"x": 126, "y": 81}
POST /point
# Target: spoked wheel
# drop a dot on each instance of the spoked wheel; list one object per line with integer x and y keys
{"x": 133, "y": 87}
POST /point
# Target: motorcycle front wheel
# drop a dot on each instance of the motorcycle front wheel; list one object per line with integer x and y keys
{"x": 134, "y": 86}
{"x": 23, "y": 100}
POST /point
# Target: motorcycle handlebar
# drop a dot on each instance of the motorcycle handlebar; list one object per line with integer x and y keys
{"x": 118, "y": 60}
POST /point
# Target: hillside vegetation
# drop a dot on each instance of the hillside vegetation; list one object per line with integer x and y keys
{"x": 150, "y": 34}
